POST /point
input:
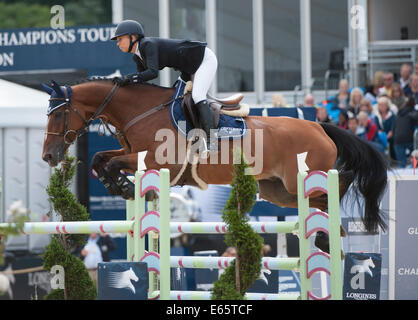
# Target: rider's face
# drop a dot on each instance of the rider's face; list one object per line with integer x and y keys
{"x": 123, "y": 42}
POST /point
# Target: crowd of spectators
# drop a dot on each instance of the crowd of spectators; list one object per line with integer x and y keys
{"x": 384, "y": 112}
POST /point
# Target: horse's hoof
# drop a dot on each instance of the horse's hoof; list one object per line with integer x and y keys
{"x": 150, "y": 195}
{"x": 126, "y": 186}
{"x": 322, "y": 241}
{"x": 110, "y": 186}
{"x": 343, "y": 233}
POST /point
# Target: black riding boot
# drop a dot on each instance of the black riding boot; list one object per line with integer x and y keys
{"x": 207, "y": 122}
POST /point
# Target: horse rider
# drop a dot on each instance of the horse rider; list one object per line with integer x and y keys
{"x": 191, "y": 58}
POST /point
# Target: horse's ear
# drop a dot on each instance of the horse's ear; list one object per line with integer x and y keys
{"x": 47, "y": 88}
{"x": 57, "y": 88}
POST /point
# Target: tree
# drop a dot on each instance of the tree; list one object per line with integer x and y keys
{"x": 24, "y": 15}
{"x": 78, "y": 284}
{"x": 245, "y": 269}
{"x": 37, "y": 13}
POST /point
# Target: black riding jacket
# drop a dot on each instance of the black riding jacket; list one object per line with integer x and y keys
{"x": 158, "y": 53}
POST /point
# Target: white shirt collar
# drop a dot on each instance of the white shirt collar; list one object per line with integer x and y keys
{"x": 137, "y": 51}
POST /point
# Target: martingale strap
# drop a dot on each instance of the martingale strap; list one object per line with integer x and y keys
{"x": 148, "y": 113}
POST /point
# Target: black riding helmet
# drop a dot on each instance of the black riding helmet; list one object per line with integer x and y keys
{"x": 129, "y": 27}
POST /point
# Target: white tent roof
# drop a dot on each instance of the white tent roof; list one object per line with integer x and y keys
{"x": 21, "y": 106}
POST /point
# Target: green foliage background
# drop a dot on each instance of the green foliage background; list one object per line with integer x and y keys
{"x": 37, "y": 13}
{"x": 78, "y": 284}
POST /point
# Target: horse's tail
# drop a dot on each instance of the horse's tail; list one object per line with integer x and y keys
{"x": 360, "y": 163}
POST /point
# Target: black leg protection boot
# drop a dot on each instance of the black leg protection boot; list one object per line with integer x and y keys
{"x": 207, "y": 122}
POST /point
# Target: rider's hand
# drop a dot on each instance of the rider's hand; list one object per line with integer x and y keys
{"x": 129, "y": 79}
{"x": 121, "y": 81}
{"x": 133, "y": 78}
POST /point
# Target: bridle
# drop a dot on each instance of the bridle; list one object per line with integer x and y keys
{"x": 68, "y": 105}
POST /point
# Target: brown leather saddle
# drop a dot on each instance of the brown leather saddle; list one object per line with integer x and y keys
{"x": 190, "y": 112}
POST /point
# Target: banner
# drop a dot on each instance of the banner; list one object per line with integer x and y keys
{"x": 122, "y": 281}
{"x": 362, "y": 276}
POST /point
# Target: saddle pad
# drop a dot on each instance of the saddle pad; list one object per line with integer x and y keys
{"x": 229, "y": 127}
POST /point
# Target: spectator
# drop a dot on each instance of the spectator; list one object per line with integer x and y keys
{"x": 230, "y": 252}
{"x": 310, "y": 101}
{"x": 343, "y": 120}
{"x": 405, "y": 73}
{"x": 322, "y": 115}
{"x": 387, "y": 84}
{"x": 266, "y": 250}
{"x": 92, "y": 255}
{"x": 403, "y": 131}
{"x": 378, "y": 79}
{"x": 392, "y": 106}
{"x": 413, "y": 88}
{"x": 355, "y": 98}
{"x": 366, "y": 106}
{"x": 278, "y": 101}
{"x": 385, "y": 119}
{"x": 342, "y": 99}
{"x": 372, "y": 91}
{"x": 106, "y": 244}
{"x": 354, "y": 128}
{"x": 398, "y": 96}
{"x": 416, "y": 67}
{"x": 370, "y": 130}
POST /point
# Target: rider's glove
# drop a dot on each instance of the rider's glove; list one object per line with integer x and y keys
{"x": 121, "y": 81}
{"x": 129, "y": 79}
{"x": 133, "y": 78}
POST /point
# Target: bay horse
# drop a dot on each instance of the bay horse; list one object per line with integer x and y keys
{"x": 73, "y": 108}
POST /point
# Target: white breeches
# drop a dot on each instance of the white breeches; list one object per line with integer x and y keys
{"x": 204, "y": 76}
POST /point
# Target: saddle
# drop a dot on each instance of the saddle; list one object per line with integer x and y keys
{"x": 230, "y": 106}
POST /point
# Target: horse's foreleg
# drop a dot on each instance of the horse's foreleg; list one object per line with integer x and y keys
{"x": 99, "y": 162}
{"x": 126, "y": 162}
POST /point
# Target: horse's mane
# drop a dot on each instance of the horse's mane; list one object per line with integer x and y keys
{"x": 104, "y": 79}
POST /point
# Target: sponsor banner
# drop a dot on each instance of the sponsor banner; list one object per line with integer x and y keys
{"x": 289, "y": 281}
{"x": 81, "y": 47}
{"x": 122, "y": 281}
{"x": 405, "y": 229}
{"x": 355, "y": 227}
{"x": 24, "y": 286}
{"x": 362, "y": 273}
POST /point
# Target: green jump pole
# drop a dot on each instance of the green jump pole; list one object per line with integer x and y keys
{"x": 304, "y": 244}
{"x": 334, "y": 235}
{"x": 164, "y": 204}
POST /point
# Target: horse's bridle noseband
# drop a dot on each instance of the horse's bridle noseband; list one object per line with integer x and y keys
{"x": 67, "y": 103}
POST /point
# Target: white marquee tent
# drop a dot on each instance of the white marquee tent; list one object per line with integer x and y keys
{"x": 22, "y": 171}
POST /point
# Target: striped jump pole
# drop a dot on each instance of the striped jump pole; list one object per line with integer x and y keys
{"x": 159, "y": 261}
{"x": 309, "y": 223}
{"x": 153, "y": 218}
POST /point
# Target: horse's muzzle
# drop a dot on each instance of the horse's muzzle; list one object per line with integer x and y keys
{"x": 47, "y": 157}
